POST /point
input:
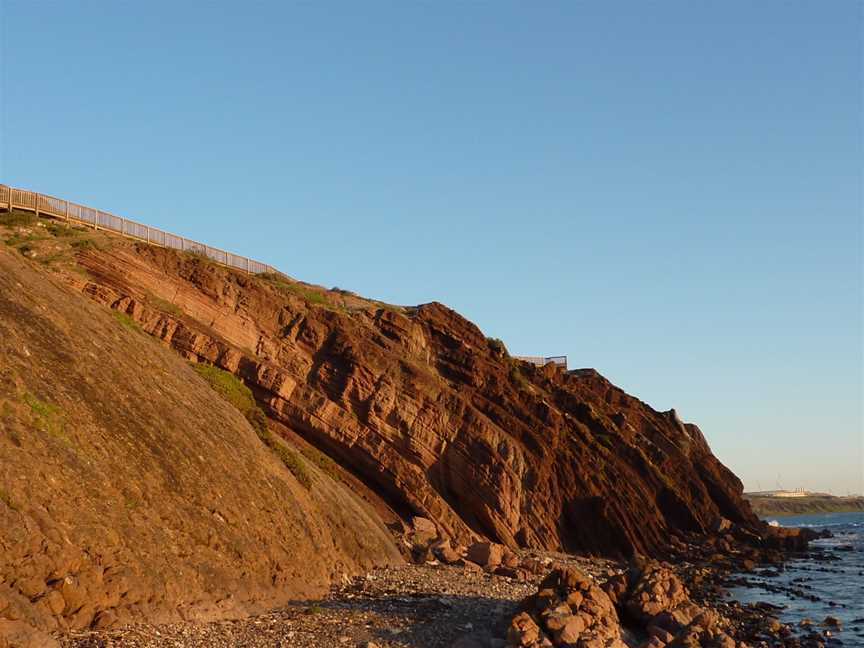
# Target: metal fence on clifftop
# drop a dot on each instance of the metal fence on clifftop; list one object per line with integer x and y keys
{"x": 40, "y": 204}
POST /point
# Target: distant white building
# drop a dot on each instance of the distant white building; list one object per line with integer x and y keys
{"x": 787, "y": 493}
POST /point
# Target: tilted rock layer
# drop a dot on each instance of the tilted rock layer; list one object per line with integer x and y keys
{"x": 433, "y": 418}
{"x": 129, "y": 490}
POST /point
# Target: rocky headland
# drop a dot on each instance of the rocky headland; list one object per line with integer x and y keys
{"x": 768, "y": 505}
{"x": 186, "y": 443}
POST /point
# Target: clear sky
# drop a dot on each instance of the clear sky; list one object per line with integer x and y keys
{"x": 667, "y": 191}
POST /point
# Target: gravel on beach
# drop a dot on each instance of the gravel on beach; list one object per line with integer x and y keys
{"x": 417, "y": 606}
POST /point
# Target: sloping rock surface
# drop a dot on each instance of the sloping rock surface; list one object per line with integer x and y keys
{"x": 129, "y": 490}
{"x": 433, "y": 418}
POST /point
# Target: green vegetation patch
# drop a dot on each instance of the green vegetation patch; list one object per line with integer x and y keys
{"x": 390, "y": 308}
{"x": 286, "y": 286}
{"x": 46, "y": 416}
{"x": 21, "y": 240}
{"x": 228, "y": 386}
{"x": 324, "y": 463}
{"x": 519, "y": 379}
{"x": 294, "y": 464}
{"x": 232, "y": 389}
{"x": 62, "y": 230}
{"x": 164, "y": 305}
{"x": 84, "y": 244}
{"x": 125, "y": 321}
{"x": 17, "y": 218}
{"x": 200, "y": 256}
{"x": 497, "y": 346}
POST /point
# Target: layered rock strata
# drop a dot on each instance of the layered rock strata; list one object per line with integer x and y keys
{"x": 435, "y": 420}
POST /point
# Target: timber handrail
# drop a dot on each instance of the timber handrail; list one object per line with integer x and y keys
{"x": 42, "y": 205}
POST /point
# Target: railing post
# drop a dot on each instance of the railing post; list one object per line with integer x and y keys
{"x": 66, "y": 210}
{"x": 37, "y": 204}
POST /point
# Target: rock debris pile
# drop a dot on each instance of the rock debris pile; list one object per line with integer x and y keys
{"x": 646, "y": 606}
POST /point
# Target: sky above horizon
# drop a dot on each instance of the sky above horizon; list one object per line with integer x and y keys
{"x": 668, "y": 192}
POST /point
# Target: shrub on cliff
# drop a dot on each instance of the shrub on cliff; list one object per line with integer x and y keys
{"x": 16, "y": 218}
{"x": 497, "y": 347}
{"x": 229, "y": 387}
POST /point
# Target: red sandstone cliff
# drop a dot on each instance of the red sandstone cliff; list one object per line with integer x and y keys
{"x": 431, "y": 416}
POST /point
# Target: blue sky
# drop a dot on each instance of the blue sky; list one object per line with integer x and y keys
{"x": 669, "y": 192}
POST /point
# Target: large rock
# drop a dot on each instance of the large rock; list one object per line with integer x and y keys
{"x": 657, "y": 590}
{"x": 568, "y": 610}
{"x": 446, "y": 553}
{"x": 486, "y": 554}
{"x": 423, "y": 532}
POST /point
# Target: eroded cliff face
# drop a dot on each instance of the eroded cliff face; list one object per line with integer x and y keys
{"x": 129, "y": 490}
{"x": 432, "y": 417}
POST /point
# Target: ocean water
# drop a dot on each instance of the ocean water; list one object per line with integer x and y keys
{"x": 832, "y": 573}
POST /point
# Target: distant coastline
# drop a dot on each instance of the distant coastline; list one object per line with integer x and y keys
{"x": 780, "y": 504}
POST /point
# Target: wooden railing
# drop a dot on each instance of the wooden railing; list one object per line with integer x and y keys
{"x": 42, "y": 205}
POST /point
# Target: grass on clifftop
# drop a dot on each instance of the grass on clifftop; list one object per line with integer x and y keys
{"x": 17, "y": 218}
{"x": 336, "y": 299}
{"x": 232, "y": 389}
{"x": 298, "y": 289}
{"x": 45, "y": 240}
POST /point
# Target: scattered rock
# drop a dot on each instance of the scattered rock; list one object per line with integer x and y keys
{"x": 486, "y": 554}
